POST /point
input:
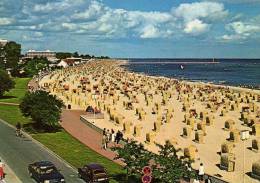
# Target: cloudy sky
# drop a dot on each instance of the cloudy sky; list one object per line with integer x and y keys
{"x": 135, "y": 28}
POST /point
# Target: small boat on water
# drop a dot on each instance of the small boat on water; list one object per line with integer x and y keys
{"x": 182, "y": 67}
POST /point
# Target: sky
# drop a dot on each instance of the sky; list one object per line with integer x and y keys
{"x": 135, "y": 28}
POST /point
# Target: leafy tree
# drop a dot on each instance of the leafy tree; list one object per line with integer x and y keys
{"x": 166, "y": 166}
{"x": 32, "y": 67}
{"x": 134, "y": 156}
{"x": 6, "y": 83}
{"x": 169, "y": 168}
{"x": 43, "y": 108}
{"x": 12, "y": 53}
{"x": 75, "y": 54}
{"x": 63, "y": 55}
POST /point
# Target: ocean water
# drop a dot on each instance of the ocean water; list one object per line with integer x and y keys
{"x": 233, "y": 72}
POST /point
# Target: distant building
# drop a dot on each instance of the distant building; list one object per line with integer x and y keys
{"x": 70, "y": 61}
{"x": 3, "y": 42}
{"x": 63, "y": 64}
{"x": 73, "y": 60}
{"x": 47, "y": 54}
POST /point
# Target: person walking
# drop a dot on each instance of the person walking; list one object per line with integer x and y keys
{"x": 201, "y": 172}
{"x": 107, "y": 138}
{"x": 1, "y": 170}
{"x": 104, "y": 142}
{"x": 112, "y": 136}
{"x": 117, "y": 138}
{"x": 104, "y": 131}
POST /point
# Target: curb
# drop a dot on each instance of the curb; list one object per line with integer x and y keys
{"x": 43, "y": 146}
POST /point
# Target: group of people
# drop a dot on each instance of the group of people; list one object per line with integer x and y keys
{"x": 111, "y": 136}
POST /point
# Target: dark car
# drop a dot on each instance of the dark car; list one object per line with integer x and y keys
{"x": 93, "y": 173}
{"x": 45, "y": 172}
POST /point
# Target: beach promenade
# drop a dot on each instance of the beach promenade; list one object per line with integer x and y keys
{"x": 206, "y": 121}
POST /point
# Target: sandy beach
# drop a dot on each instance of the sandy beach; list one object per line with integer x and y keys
{"x": 207, "y": 122}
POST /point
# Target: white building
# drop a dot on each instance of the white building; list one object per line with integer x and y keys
{"x": 3, "y": 42}
{"x": 47, "y": 54}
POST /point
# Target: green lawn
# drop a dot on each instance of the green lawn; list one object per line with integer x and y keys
{"x": 75, "y": 152}
{"x": 15, "y": 95}
{"x": 62, "y": 143}
{"x": 12, "y": 115}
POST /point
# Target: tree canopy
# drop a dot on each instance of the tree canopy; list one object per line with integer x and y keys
{"x": 33, "y": 66}
{"x": 6, "y": 83}
{"x": 43, "y": 108}
{"x": 166, "y": 166}
{"x": 12, "y": 52}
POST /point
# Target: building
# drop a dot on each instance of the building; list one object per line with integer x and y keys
{"x": 47, "y": 54}
{"x": 3, "y": 42}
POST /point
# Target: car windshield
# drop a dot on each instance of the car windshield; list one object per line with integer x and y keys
{"x": 47, "y": 170}
{"x": 96, "y": 172}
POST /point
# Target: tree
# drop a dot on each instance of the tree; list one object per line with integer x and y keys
{"x": 6, "y": 83}
{"x": 75, "y": 54}
{"x": 134, "y": 156}
{"x": 12, "y": 53}
{"x": 166, "y": 166}
{"x": 43, "y": 108}
{"x": 169, "y": 168}
{"x": 32, "y": 67}
{"x": 63, "y": 55}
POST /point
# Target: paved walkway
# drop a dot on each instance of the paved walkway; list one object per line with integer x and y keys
{"x": 8, "y": 103}
{"x": 86, "y": 135}
{"x": 10, "y": 176}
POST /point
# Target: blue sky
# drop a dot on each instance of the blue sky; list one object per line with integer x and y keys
{"x": 136, "y": 28}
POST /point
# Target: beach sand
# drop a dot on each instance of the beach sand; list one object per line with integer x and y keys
{"x": 159, "y": 102}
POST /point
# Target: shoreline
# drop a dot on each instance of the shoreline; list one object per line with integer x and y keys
{"x": 126, "y": 62}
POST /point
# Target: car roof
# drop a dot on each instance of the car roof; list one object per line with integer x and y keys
{"x": 44, "y": 163}
{"x": 95, "y": 166}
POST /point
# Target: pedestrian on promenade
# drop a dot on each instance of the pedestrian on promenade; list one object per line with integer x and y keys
{"x": 104, "y": 142}
{"x": 112, "y": 136}
{"x": 104, "y": 131}
{"x": 1, "y": 170}
{"x": 117, "y": 138}
{"x": 107, "y": 138}
{"x": 201, "y": 172}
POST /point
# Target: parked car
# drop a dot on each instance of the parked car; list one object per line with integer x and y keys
{"x": 45, "y": 172}
{"x": 93, "y": 173}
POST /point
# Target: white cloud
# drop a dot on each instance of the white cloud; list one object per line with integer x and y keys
{"x": 56, "y": 6}
{"x": 6, "y": 21}
{"x": 241, "y": 31}
{"x": 242, "y": 28}
{"x": 119, "y": 22}
{"x": 198, "y": 10}
{"x": 196, "y": 27}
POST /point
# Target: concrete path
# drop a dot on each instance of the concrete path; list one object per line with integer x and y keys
{"x": 86, "y": 135}
{"x": 8, "y": 103}
{"x": 10, "y": 176}
{"x": 19, "y": 152}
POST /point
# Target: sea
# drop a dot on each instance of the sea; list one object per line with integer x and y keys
{"x": 230, "y": 72}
